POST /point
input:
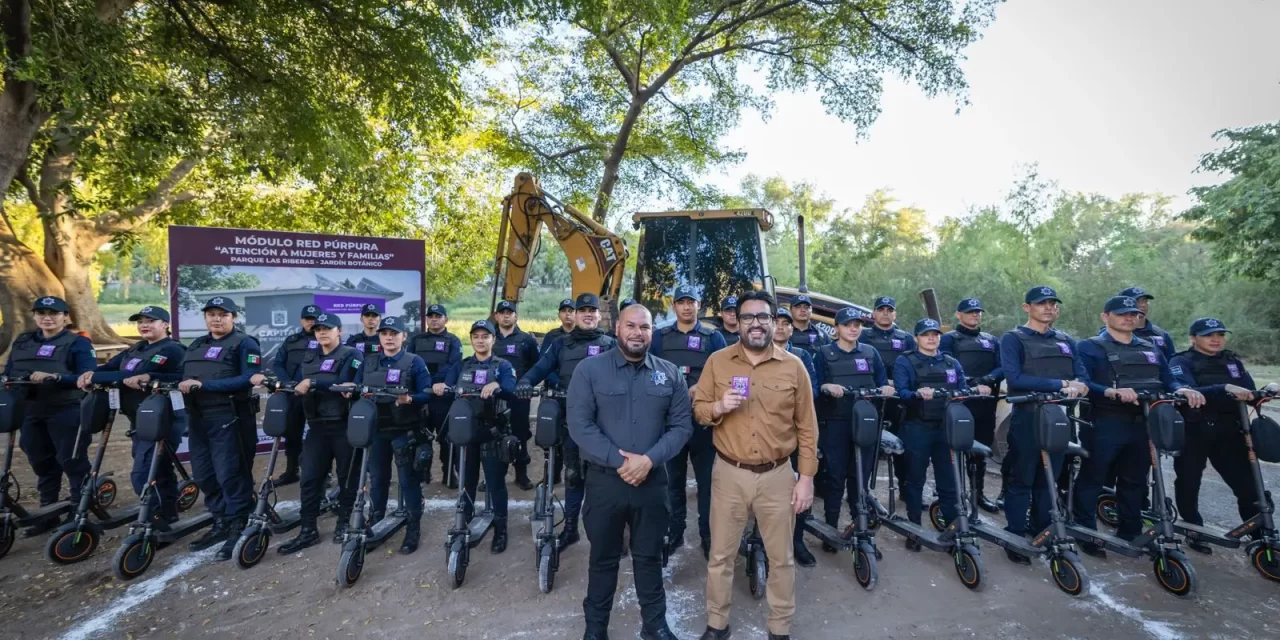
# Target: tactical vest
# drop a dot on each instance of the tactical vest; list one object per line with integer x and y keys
{"x": 391, "y": 416}
{"x": 937, "y": 375}
{"x": 977, "y": 354}
{"x": 848, "y": 369}
{"x": 365, "y": 344}
{"x": 473, "y": 377}
{"x": 1047, "y": 356}
{"x": 730, "y": 337}
{"x": 433, "y": 348}
{"x": 810, "y": 339}
{"x": 573, "y": 351}
{"x": 28, "y": 356}
{"x": 139, "y": 359}
{"x": 209, "y": 359}
{"x": 1153, "y": 334}
{"x": 688, "y": 351}
{"x": 890, "y": 345}
{"x": 1225, "y": 368}
{"x": 320, "y": 405}
{"x": 296, "y": 347}
{"x": 1135, "y": 366}
{"x": 509, "y": 348}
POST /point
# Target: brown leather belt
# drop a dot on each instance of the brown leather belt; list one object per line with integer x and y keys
{"x": 755, "y": 468}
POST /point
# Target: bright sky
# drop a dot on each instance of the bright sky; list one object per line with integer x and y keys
{"x": 1108, "y": 96}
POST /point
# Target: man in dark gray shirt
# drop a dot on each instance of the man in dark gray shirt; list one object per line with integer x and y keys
{"x": 630, "y": 413}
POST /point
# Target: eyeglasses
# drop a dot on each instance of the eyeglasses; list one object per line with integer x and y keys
{"x": 755, "y": 318}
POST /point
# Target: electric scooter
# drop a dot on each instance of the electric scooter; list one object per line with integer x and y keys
{"x": 362, "y": 428}
{"x": 1264, "y": 549}
{"x": 549, "y": 433}
{"x": 1170, "y": 565}
{"x": 138, "y": 549}
{"x": 464, "y": 429}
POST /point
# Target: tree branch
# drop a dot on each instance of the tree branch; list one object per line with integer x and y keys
{"x": 885, "y": 33}
{"x": 33, "y": 191}
{"x": 615, "y": 56}
{"x": 107, "y": 11}
{"x": 158, "y": 201}
{"x": 682, "y": 182}
{"x": 217, "y": 47}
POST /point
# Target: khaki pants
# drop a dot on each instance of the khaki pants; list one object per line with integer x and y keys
{"x": 735, "y": 494}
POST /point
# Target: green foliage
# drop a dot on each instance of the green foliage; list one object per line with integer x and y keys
{"x": 210, "y": 278}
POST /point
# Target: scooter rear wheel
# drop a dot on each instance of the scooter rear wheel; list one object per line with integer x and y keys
{"x": 7, "y": 534}
{"x": 134, "y": 557}
{"x": 350, "y": 565}
{"x": 188, "y": 493}
{"x": 865, "y": 570}
{"x": 935, "y": 516}
{"x": 252, "y": 547}
{"x": 546, "y": 574}
{"x": 106, "y": 495}
{"x": 1267, "y": 561}
{"x": 1069, "y": 574}
{"x": 969, "y": 566}
{"x": 1175, "y": 573}
{"x": 69, "y": 545}
{"x": 1108, "y": 510}
{"x": 457, "y": 565}
{"x": 759, "y": 573}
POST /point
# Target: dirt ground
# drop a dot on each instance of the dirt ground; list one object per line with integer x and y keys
{"x": 918, "y": 595}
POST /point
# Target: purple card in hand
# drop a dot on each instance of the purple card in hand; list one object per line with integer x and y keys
{"x": 741, "y": 384}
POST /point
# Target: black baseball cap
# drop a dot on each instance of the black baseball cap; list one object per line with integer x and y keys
{"x": 370, "y": 309}
{"x": 925, "y": 325}
{"x": 686, "y": 291}
{"x": 1121, "y": 305}
{"x": 391, "y": 322}
{"x": 437, "y": 310}
{"x": 801, "y": 299}
{"x": 847, "y": 315}
{"x": 310, "y": 311}
{"x": 51, "y": 303}
{"x": 626, "y": 302}
{"x": 1206, "y": 326}
{"x": 485, "y": 325}
{"x": 222, "y": 302}
{"x": 567, "y": 303}
{"x": 1040, "y": 294}
{"x": 885, "y": 301}
{"x": 155, "y": 313}
{"x": 969, "y": 304}
{"x": 330, "y": 320}
{"x": 1137, "y": 293}
{"x": 587, "y": 300}
{"x": 728, "y": 303}
{"x": 783, "y": 312}
{"x": 505, "y": 305}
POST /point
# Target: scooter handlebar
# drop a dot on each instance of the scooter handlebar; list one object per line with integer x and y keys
{"x": 868, "y": 392}
{"x": 1152, "y": 396}
{"x": 1041, "y": 397}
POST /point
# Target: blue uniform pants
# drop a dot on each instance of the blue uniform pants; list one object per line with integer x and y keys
{"x": 495, "y": 480}
{"x": 702, "y": 453}
{"x": 386, "y": 446}
{"x": 220, "y": 463}
{"x": 50, "y": 444}
{"x": 836, "y": 442}
{"x": 1121, "y": 440}
{"x": 1027, "y": 488}
{"x": 166, "y": 479}
{"x": 573, "y": 496}
{"x": 925, "y": 443}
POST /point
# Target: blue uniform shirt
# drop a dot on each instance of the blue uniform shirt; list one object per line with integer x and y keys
{"x": 79, "y": 359}
{"x": 1011, "y": 356}
{"x": 904, "y": 374}
{"x": 1097, "y": 372}
{"x": 419, "y": 377}
{"x": 249, "y": 355}
{"x": 1184, "y": 373}
{"x": 168, "y": 371}
{"x": 877, "y": 366}
{"x": 807, "y": 360}
{"x": 716, "y": 342}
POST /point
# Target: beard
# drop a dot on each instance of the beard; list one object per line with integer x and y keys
{"x": 757, "y": 342}
{"x": 636, "y": 351}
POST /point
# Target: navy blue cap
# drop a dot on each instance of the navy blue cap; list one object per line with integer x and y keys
{"x": 157, "y": 313}
{"x": 567, "y": 303}
{"x": 51, "y": 303}
{"x": 1136, "y": 293}
{"x": 1121, "y": 305}
{"x": 626, "y": 302}
{"x": 686, "y": 291}
{"x": 437, "y": 309}
{"x": 310, "y": 311}
{"x": 885, "y": 301}
{"x": 969, "y": 304}
{"x": 330, "y": 320}
{"x": 483, "y": 324}
{"x": 1206, "y": 326}
{"x": 505, "y": 305}
{"x": 370, "y": 309}
{"x": 587, "y": 300}
{"x": 783, "y": 313}
{"x": 728, "y": 303}
{"x": 801, "y": 299}
{"x": 1040, "y": 294}
{"x": 222, "y": 302}
{"x": 847, "y": 315}
{"x": 925, "y": 325}
{"x": 391, "y": 322}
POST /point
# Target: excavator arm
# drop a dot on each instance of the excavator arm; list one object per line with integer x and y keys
{"x": 597, "y": 257}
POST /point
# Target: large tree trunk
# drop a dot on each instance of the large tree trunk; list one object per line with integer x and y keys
{"x": 23, "y": 278}
{"x": 614, "y": 160}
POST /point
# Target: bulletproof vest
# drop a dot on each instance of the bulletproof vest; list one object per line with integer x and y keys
{"x": 317, "y": 366}
{"x": 1047, "y": 356}
{"x": 935, "y": 374}
{"x": 210, "y": 359}
{"x": 809, "y": 339}
{"x": 364, "y": 344}
{"x": 1225, "y": 368}
{"x": 1135, "y": 365}
{"x": 142, "y": 357}
{"x": 574, "y": 350}
{"x": 890, "y": 345}
{"x": 377, "y": 376}
{"x": 433, "y": 348}
{"x": 508, "y": 348}
{"x": 730, "y": 337}
{"x": 848, "y": 369}
{"x": 28, "y": 356}
{"x": 688, "y": 351}
{"x": 296, "y": 347}
{"x": 473, "y": 377}
{"x": 977, "y": 354}
{"x": 1153, "y": 334}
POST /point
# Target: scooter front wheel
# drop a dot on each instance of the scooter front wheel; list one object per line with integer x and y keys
{"x": 759, "y": 572}
{"x": 969, "y": 566}
{"x": 865, "y": 570}
{"x": 1175, "y": 573}
{"x": 134, "y": 557}
{"x": 70, "y": 544}
{"x": 106, "y": 494}
{"x": 7, "y": 534}
{"x": 350, "y": 565}
{"x": 1267, "y": 561}
{"x": 188, "y": 493}
{"x": 1069, "y": 574}
{"x": 457, "y": 565}
{"x": 546, "y": 573}
{"x": 252, "y": 547}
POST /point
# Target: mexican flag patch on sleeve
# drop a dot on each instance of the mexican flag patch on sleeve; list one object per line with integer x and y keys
{"x": 159, "y": 359}
{"x": 255, "y": 358}
{"x": 355, "y": 363}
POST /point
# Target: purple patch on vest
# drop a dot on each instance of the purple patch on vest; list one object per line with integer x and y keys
{"x": 897, "y": 345}
{"x": 1064, "y": 348}
{"x": 213, "y": 353}
{"x": 1233, "y": 370}
{"x": 813, "y": 337}
{"x": 1151, "y": 357}
{"x": 482, "y": 376}
{"x": 593, "y": 350}
{"x": 313, "y": 344}
{"x": 861, "y": 365}
{"x": 439, "y": 345}
{"x": 986, "y": 344}
{"x": 695, "y": 343}
{"x": 132, "y": 364}
{"x": 511, "y": 349}
{"x": 327, "y": 365}
{"x": 46, "y": 350}
{"x": 393, "y": 375}
{"x": 1159, "y": 340}
{"x": 951, "y": 376}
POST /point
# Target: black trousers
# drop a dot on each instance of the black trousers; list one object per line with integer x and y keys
{"x": 520, "y": 428}
{"x": 1221, "y": 443}
{"x": 611, "y": 506}
{"x": 437, "y": 411}
{"x": 295, "y": 424}
{"x": 327, "y": 443}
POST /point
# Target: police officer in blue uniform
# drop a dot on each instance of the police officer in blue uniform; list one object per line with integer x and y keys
{"x": 521, "y": 350}
{"x": 331, "y": 363}
{"x": 1034, "y": 358}
{"x": 218, "y": 372}
{"x": 57, "y": 357}
{"x": 1213, "y": 432}
{"x": 285, "y": 366}
{"x": 495, "y": 380}
{"x": 366, "y": 339}
{"x": 1146, "y": 329}
{"x": 687, "y": 343}
{"x": 920, "y": 377}
{"x": 440, "y": 350}
{"x": 845, "y": 363}
{"x": 885, "y": 337}
{"x": 782, "y": 331}
{"x": 398, "y": 420}
{"x": 979, "y": 354}
{"x": 563, "y": 356}
{"x": 158, "y": 357}
{"x": 567, "y": 323}
{"x": 1117, "y": 366}
{"x": 805, "y": 335}
{"x": 728, "y": 328}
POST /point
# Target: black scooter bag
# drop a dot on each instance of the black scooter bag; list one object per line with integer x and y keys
{"x": 550, "y": 428}
{"x": 1266, "y": 438}
{"x": 276, "y": 418}
{"x": 1166, "y": 427}
{"x": 95, "y": 411}
{"x": 154, "y": 419}
{"x": 957, "y": 424}
{"x": 1053, "y": 428}
{"x": 866, "y": 424}
{"x": 362, "y": 423}
{"x": 13, "y": 409}
{"x": 463, "y": 423}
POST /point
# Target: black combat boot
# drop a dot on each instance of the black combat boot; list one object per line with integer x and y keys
{"x": 499, "y": 543}
{"x": 522, "y": 477}
{"x": 569, "y": 534}
{"x": 309, "y": 536}
{"x": 233, "y": 535}
{"x": 216, "y": 534}
{"x": 412, "y": 530}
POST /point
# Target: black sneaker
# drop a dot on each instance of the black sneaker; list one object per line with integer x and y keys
{"x": 803, "y": 557}
{"x": 215, "y": 535}
{"x": 499, "y": 543}
{"x": 411, "y": 533}
{"x": 233, "y": 535}
{"x": 1200, "y": 547}
{"x": 713, "y": 633}
{"x": 307, "y": 537}
{"x": 287, "y": 478}
{"x": 1017, "y": 558}
{"x": 1094, "y": 550}
{"x": 340, "y": 531}
{"x": 568, "y": 536}
{"x": 913, "y": 544}
{"x": 523, "y": 481}
{"x": 674, "y": 542}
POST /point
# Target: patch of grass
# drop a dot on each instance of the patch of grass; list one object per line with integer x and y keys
{"x": 1264, "y": 374}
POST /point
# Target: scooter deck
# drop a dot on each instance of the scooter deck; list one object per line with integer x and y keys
{"x": 26, "y": 518}
{"x": 385, "y": 528}
{"x": 113, "y": 520}
{"x": 909, "y": 529}
{"x": 1112, "y": 543}
{"x": 1199, "y": 533}
{"x": 827, "y": 534}
{"x": 184, "y": 527}
{"x": 1002, "y": 538}
{"x": 283, "y": 525}
{"x": 479, "y": 527}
